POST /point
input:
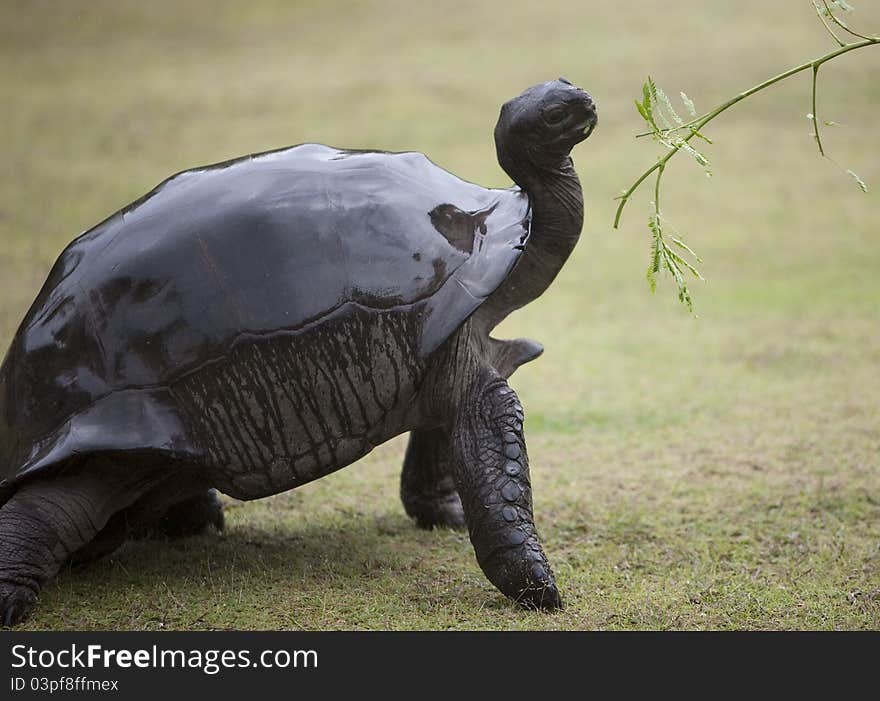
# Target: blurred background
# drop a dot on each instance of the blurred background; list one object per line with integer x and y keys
{"x": 711, "y": 472}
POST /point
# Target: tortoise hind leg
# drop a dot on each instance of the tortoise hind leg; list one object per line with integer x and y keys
{"x": 427, "y": 488}
{"x": 47, "y": 521}
{"x": 184, "y": 518}
{"x": 189, "y": 516}
{"x": 109, "y": 539}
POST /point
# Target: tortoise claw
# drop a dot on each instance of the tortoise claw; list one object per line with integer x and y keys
{"x": 16, "y": 604}
{"x": 544, "y": 598}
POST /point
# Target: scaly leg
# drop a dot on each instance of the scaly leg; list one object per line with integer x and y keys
{"x": 492, "y": 476}
{"x": 188, "y": 517}
{"x": 178, "y": 518}
{"x": 427, "y": 488}
{"x": 46, "y": 521}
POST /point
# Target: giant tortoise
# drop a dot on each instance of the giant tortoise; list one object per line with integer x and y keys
{"x": 256, "y": 324}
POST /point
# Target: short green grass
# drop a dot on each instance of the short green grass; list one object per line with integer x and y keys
{"x": 691, "y": 474}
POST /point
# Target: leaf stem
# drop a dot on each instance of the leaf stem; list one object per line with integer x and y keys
{"x": 660, "y": 169}
{"x": 824, "y": 23}
{"x": 842, "y": 24}
{"x": 815, "y": 116}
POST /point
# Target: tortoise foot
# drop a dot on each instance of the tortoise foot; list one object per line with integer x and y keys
{"x": 16, "y": 603}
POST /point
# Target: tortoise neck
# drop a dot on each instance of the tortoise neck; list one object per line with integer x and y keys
{"x": 557, "y": 204}
{"x": 554, "y": 191}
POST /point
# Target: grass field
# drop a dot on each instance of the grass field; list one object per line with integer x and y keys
{"x": 719, "y": 472}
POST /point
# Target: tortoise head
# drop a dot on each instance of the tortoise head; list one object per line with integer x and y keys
{"x": 545, "y": 121}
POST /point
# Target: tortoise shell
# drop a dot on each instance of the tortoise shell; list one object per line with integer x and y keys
{"x": 268, "y": 245}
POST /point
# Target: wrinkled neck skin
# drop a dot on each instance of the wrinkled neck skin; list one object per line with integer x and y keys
{"x": 557, "y": 204}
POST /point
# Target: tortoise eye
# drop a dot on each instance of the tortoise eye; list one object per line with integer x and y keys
{"x": 554, "y": 115}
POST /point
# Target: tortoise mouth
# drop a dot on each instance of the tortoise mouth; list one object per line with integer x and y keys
{"x": 583, "y": 130}
{"x": 588, "y": 128}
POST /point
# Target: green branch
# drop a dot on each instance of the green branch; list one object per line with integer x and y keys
{"x": 695, "y": 125}
{"x": 672, "y": 132}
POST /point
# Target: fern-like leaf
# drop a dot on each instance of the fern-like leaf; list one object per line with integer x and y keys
{"x": 688, "y": 104}
{"x": 861, "y": 183}
{"x": 664, "y": 100}
{"x": 681, "y": 244}
{"x": 645, "y": 108}
{"x": 656, "y": 245}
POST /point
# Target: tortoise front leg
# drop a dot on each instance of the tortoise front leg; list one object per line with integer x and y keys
{"x": 427, "y": 488}
{"x": 492, "y": 476}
